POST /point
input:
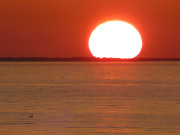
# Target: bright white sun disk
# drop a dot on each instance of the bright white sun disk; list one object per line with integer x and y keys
{"x": 115, "y": 39}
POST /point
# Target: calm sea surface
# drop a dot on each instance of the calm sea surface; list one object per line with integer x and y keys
{"x": 90, "y": 98}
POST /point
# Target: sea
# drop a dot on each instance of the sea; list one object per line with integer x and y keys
{"x": 90, "y": 98}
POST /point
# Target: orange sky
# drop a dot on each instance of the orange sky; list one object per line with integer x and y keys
{"x": 61, "y": 28}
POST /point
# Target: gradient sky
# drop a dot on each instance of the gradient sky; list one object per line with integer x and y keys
{"x": 61, "y": 28}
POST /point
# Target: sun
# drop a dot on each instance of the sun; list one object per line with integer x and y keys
{"x": 115, "y": 39}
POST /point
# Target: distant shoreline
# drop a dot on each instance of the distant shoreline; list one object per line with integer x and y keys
{"x": 83, "y": 59}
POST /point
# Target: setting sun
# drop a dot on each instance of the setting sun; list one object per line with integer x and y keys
{"x": 115, "y": 39}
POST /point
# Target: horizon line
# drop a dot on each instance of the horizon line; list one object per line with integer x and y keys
{"x": 8, "y": 59}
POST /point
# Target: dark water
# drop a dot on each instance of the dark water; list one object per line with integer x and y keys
{"x": 79, "y": 98}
